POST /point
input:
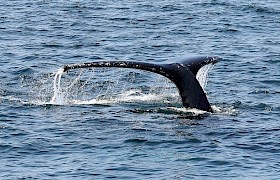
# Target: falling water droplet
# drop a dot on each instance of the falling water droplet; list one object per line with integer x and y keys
{"x": 57, "y": 95}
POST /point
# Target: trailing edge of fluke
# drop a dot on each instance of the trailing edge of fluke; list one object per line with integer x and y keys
{"x": 181, "y": 72}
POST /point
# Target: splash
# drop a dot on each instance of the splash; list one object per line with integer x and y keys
{"x": 182, "y": 110}
{"x": 202, "y": 75}
{"x": 57, "y": 94}
{"x": 109, "y": 86}
{"x": 116, "y": 85}
{"x": 224, "y": 110}
{"x": 217, "y": 110}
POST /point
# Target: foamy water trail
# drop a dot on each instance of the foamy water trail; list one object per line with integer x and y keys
{"x": 217, "y": 110}
{"x": 127, "y": 97}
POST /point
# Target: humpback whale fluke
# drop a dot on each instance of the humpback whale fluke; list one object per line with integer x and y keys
{"x": 181, "y": 72}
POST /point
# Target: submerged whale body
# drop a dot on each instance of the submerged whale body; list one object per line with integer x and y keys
{"x": 181, "y": 72}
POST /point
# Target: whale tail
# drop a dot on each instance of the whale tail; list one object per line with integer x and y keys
{"x": 181, "y": 72}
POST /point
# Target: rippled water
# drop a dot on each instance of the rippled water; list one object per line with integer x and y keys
{"x": 144, "y": 132}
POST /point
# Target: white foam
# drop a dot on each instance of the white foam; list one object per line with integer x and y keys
{"x": 126, "y": 97}
{"x": 224, "y": 110}
{"x": 11, "y": 98}
{"x": 193, "y": 111}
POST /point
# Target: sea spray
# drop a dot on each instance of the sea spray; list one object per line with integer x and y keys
{"x": 57, "y": 94}
{"x": 202, "y": 75}
{"x": 110, "y": 85}
{"x": 116, "y": 85}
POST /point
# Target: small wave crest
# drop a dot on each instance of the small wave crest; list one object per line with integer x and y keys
{"x": 224, "y": 110}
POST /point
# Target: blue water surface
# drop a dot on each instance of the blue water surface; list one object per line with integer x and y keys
{"x": 140, "y": 139}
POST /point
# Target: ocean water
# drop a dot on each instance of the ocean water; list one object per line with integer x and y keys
{"x": 128, "y": 124}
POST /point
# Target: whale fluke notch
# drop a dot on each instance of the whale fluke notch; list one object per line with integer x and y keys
{"x": 181, "y": 72}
